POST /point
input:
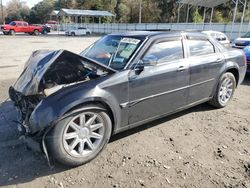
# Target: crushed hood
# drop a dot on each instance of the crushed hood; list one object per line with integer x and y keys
{"x": 38, "y": 64}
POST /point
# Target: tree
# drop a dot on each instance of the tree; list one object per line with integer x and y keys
{"x": 17, "y": 10}
{"x": 197, "y": 18}
{"x": 169, "y": 9}
{"x": 151, "y": 11}
{"x": 123, "y": 12}
{"x": 41, "y": 11}
{"x": 3, "y": 15}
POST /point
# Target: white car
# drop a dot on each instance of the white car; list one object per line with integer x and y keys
{"x": 78, "y": 31}
{"x": 221, "y": 37}
{"x": 242, "y": 41}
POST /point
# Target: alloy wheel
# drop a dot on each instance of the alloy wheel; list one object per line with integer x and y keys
{"x": 83, "y": 134}
{"x": 226, "y": 91}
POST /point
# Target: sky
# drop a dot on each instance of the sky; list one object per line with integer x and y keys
{"x": 30, "y": 3}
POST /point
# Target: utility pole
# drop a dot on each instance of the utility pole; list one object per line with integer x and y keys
{"x": 2, "y": 12}
{"x": 140, "y": 4}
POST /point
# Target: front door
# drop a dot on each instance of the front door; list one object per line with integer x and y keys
{"x": 162, "y": 86}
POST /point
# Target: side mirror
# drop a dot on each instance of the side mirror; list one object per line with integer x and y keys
{"x": 139, "y": 68}
{"x": 150, "y": 60}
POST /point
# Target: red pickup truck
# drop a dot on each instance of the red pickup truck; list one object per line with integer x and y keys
{"x": 20, "y": 27}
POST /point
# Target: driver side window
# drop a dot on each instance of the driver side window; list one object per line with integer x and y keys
{"x": 164, "y": 51}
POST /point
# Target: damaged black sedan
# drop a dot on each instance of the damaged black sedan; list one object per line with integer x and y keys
{"x": 72, "y": 103}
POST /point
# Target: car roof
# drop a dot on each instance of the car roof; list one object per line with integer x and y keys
{"x": 150, "y": 34}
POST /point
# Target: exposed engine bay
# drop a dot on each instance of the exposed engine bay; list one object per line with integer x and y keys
{"x": 65, "y": 72}
{"x": 46, "y": 73}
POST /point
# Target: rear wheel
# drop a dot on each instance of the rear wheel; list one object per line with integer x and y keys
{"x": 80, "y": 138}
{"x": 36, "y": 32}
{"x": 73, "y": 34}
{"x": 224, "y": 91}
{"x": 12, "y": 32}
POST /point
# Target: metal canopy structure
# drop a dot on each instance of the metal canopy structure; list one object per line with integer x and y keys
{"x": 210, "y": 4}
{"x": 54, "y": 13}
{"x": 204, "y": 3}
{"x": 78, "y": 12}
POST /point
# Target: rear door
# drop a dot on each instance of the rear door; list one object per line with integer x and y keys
{"x": 159, "y": 88}
{"x": 205, "y": 65}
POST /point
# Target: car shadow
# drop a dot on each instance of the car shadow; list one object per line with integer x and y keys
{"x": 21, "y": 165}
{"x": 199, "y": 108}
{"x": 18, "y": 164}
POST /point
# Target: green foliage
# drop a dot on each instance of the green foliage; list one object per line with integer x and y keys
{"x": 41, "y": 11}
{"x": 197, "y": 18}
{"x": 126, "y": 11}
{"x": 16, "y": 10}
{"x": 123, "y": 12}
{"x": 218, "y": 17}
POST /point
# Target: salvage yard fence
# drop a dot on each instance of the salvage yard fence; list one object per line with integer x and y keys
{"x": 232, "y": 31}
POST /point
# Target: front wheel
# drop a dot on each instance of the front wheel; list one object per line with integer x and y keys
{"x": 224, "y": 91}
{"x": 80, "y": 138}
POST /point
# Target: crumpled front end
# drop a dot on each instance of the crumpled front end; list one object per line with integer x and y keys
{"x": 45, "y": 74}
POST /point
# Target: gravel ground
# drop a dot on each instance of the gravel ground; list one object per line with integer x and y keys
{"x": 199, "y": 147}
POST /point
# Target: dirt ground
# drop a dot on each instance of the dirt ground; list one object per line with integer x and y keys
{"x": 199, "y": 147}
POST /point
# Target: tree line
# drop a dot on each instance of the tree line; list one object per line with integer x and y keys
{"x": 126, "y": 11}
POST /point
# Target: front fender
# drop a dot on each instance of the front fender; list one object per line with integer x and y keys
{"x": 52, "y": 109}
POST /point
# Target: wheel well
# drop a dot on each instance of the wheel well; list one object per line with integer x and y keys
{"x": 99, "y": 104}
{"x": 235, "y": 72}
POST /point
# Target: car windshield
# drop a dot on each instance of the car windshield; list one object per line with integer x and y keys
{"x": 113, "y": 51}
{"x": 12, "y": 23}
{"x": 247, "y": 35}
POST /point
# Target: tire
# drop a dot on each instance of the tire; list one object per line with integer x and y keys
{"x": 36, "y": 32}
{"x": 72, "y": 34}
{"x": 88, "y": 33}
{"x": 12, "y": 32}
{"x": 5, "y": 33}
{"x": 224, "y": 91}
{"x": 66, "y": 139}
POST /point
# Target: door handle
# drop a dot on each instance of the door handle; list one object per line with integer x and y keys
{"x": 181, "y": 68}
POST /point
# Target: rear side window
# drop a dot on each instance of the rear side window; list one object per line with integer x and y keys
{"x": 166, "y": 51}
{"x": 200, "y": 47}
